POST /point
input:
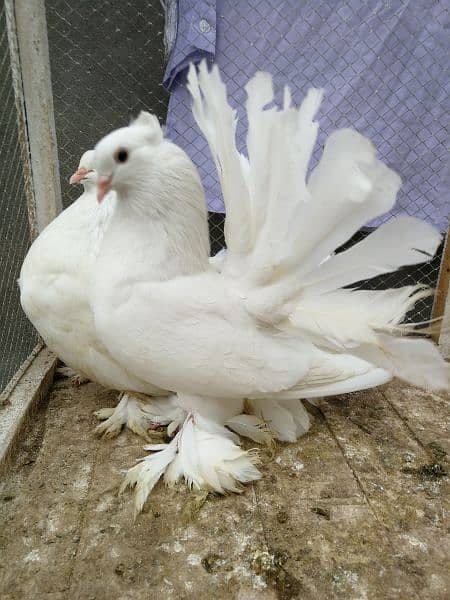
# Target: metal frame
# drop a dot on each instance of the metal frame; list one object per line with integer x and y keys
{"x": 30, "y": 61}
{"x": 30, "y": 65}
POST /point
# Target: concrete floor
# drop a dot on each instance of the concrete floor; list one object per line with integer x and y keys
{"x": 354, "y": 510}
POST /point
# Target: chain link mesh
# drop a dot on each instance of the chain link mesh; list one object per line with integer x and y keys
{"x": 17, "y": 336}
{"x": 107, "y": 64}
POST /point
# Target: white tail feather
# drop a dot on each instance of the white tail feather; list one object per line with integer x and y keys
{"x": 217, "y": 121}
{"x": 397, "y": 243}
{"x": 278, "y": 194}
{"x": 348, "y": 188}
{"x": 345, "y": 318}
{"x": 414, "y": 360}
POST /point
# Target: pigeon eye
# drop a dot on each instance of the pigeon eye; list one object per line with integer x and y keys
{"x": 121, "y": 155}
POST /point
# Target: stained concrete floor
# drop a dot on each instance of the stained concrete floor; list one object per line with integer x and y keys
{"x": 355, "y": 510}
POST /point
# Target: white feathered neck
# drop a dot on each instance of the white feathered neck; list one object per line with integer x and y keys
{"x": 160, "y": 216}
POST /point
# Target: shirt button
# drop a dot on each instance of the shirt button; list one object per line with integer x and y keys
{"x": 204, "y": 26}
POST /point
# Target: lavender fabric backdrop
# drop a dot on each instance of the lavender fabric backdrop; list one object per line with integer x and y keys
{"x": 382, "y": 65}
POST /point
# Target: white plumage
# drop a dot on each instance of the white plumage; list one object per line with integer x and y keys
{"x": 54, "y": 282}
{"x": 204, "y": 453}
{"x": 272, "y": 322}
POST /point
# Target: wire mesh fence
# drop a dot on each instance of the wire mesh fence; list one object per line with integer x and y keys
{"x": 17, "y": 336}
{"x": 382, "y": 66}
{"x": 107, "y": 64}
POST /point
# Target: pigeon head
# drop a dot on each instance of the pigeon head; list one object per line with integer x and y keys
{"x": 125, "y": 156}
{"x": 85, "y": 174}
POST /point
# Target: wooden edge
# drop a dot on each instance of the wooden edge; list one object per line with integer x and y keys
{"x": 22, "y": 401}
{"x": 442, "y": 288}
{"x": 4, "y": 396}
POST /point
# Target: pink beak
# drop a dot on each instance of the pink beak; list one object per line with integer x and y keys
{"x": 103, "y": 187}
{"x": 78, "y": 175}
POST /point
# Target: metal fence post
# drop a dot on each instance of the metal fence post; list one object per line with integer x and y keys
{"x": 27, "y": 34}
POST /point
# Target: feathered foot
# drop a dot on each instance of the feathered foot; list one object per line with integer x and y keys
{"x": 139, "y": 416}
{"x": 252, "y": 427}
{"x": 204, "y": 453}
{"x": 76, "y": 379}
{"x": 283, "y": 420}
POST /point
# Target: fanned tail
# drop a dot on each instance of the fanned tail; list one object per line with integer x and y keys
{"x": 287, "y": 269}
{"x": 399, "y": 242}
{"x": 344, "y": 318}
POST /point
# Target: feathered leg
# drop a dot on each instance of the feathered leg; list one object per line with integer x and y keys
{"x": 76, "y": 379}
{"x": 139, "y": 413}
{"x": 286, "y": 420}
{"x": 203, "y": 452}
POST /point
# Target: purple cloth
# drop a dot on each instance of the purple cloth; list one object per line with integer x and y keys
{"x": 382, "y": 65}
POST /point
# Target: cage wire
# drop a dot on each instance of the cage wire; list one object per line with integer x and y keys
{"x": 108, "y": 61}
{"x": 107, "y": 64}
{"x": 17, "y": 336}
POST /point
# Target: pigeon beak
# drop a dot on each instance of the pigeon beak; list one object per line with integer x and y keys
{"x": 103, "y": 187}
{"x": 78, "y": 175}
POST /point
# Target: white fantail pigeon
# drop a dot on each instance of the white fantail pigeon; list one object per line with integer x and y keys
{"x": 278, "y": 322}
{"x": 53, "y": 290}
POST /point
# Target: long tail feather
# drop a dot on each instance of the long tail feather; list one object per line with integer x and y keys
{"x": 217, "y": 121}
{"x": 414, "y": 360}
{"x": 397, "y": 243}
{"x": 345, "y": 318}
